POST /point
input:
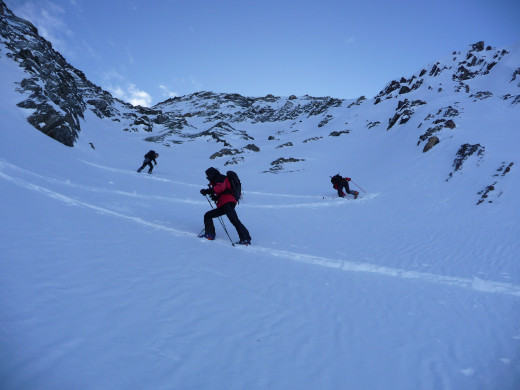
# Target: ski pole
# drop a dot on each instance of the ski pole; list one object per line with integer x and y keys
{"x": 358, "y": 186}
{"x": 221, "y": 222}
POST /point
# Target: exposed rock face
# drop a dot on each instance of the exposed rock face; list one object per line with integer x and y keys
{"x": 478, "y": 61}
{"x": 232, "y": 152}
{"x": 475, "y": 65}
{"x": 464, "y": 152}
{"x": 235, "y": 108}
{"x": 57, "y": 93}
{"x": 405, "y": 110}
{"x": 438, "y": 122}
{"x": 338, "y": 133}
{"x": 492, "y": 192}
{"x": 284, "y": 145}
{"x": 431, "y": 143}
{"x": 278, "y": 164}
{"x": 51, "y": 86}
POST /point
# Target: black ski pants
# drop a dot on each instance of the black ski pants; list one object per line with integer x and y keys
{"x": 341, "y": 185}
{"x": 227, "y": 209}
{"x": 146, "y": 162}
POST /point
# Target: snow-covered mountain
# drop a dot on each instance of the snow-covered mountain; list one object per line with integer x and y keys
{"x": 59, "y": 95}
{"x": 414, "y": 285}
{"x": 432, "y": 104}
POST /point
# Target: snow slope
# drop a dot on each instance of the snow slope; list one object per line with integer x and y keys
{"x": 104, "y": 284}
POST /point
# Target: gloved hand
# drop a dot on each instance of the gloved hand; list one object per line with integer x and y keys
{"x": 205, "y": 191}
{"x": 347, "y": 178}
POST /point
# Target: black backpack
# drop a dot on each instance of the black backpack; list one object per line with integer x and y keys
{"x": 336, "y": 179}
{"x": 236, "y": 186}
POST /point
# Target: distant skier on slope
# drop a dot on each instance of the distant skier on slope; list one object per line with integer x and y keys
{"x": 221, "y": 192}
{"x": 148, "y": 158}
{"x": 339, "y": 182}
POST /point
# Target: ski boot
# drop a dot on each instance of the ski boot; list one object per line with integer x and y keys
{"x": 207, "y": 236}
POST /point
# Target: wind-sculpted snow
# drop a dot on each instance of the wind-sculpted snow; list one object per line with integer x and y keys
{"x": 102, "y": 264}
{"x": 104, "y": 284}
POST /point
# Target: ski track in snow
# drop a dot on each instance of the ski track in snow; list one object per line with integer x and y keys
{"x": 127, "y": 172}
{"x": 329, "y": 200}
{"x": 486, "y": 286}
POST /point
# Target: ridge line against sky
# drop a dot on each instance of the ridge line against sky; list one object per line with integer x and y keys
{"x": 146, "y": 51}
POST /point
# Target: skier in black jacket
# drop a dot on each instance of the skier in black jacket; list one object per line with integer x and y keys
{"x": 339, "y": 182}
{"x": 148, "y": 158}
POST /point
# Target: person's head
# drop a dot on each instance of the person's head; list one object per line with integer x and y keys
{"x": 212, "y": 173}
{"x": 156, "y": 155}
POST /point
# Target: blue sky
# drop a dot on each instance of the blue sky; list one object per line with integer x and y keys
{"x": 145, "y": 51}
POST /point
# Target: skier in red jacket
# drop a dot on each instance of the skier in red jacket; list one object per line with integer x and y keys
{"x": 220, "y": 191}
{"x": 339, "y": 182}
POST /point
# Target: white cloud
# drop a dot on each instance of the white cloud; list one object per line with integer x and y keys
{"x": 119, "y": 87}
{"x": 131, "y": 94}
{"x": 167, "y": 92}
{"x": 117, "y": 92}
{"x": 138, "y": 97}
